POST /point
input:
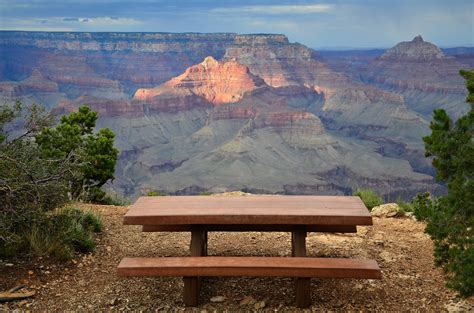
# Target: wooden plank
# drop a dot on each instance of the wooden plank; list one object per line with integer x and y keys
{"x": 249, "y": 227}
{"x": 261, "y": 209}
{"x": 192, "y": 284}
{"x": 302, "y": 285}
{"x": 250, "y": 266}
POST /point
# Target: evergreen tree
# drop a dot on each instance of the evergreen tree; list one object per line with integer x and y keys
{"x": 450, "y": 221}
{"x": 95, "y": 151}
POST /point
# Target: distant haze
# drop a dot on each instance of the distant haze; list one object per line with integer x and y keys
{"x": 340, "y": 24}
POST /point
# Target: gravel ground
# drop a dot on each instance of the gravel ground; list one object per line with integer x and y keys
{"x": 89, "y": 283}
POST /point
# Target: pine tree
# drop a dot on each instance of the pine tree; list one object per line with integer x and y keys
{"x": 95, "y": 151}
{"x": 450, "y": 222}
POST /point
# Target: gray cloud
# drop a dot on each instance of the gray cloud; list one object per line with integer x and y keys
{"x": 317, "y": 23}
{"x": 276, "y": 9}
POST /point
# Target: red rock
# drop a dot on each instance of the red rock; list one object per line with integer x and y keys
{"x": 217, "y": 82}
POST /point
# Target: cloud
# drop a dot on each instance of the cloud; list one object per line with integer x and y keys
{"x": 110, "y": 21}
{"x": 276, "y": 9}
{"x": 99, "y": 21}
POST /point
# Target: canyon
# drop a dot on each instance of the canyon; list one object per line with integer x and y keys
{"x": 197, "y": 113}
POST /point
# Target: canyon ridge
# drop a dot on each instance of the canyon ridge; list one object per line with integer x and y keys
{"x": 196, "y": 112}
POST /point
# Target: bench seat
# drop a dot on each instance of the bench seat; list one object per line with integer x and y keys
{"x": 250, "y": 266}
{"x": 251, "y": 227}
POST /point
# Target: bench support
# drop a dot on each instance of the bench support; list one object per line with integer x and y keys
{"x": 192, "y": 285}
{"x": 303, "y": 285}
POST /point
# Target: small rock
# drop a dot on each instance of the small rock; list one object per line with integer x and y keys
{"x": 30, "y": 272}
{"x": 405, "y": 277}
{"x": 9, "y": 264}
{"x": 114, "y": 302}
{"x": 218, "y": 299}
{"x": 461, "y": 306}
{"x": 387, "y": 256}
{"x": 22, "y": 303}
{"x": 386, "y": 210}
{"x": 247, "y": 300}
{"x": 338, "y": 304}
{"x": 259, "y": 305}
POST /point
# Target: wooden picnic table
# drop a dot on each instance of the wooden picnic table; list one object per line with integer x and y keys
{"x": 295, "y": 214}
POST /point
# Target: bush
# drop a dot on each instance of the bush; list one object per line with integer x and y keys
{"x": 30, "y": 184}
{"x": 405, "y": 207}
{"x": 94, "y": 151}
{"x": 369, "y": 197}
{"x": 156, "y": 194}
{"x": 34, "y": 184}
{"x": 205, "y": 193}
{"x": 450, "y": 219}
{"x": 63, "y": 233}
{"x": 423, "y": 206}
{"x": 113, "y": 200}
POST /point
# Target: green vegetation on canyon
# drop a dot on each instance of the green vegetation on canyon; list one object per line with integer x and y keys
{"x": 41, "y": 170}
{"x": 74, "y": 136}
{"x": 450, "y": 219}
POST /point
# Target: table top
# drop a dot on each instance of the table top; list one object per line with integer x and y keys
{"x": 248, "y": 210}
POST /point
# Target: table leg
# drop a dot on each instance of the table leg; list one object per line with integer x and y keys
{"x": 204, "y": 247}
{"x": 298, "y": 249}
{"x": 198, "y": 247}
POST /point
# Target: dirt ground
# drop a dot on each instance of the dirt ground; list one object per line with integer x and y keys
{"x": 89, "y": 283}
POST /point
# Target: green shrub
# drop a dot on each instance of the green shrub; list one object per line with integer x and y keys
{"x": 423, "y": 206}
{"x": 33, "y": 184}
{"x": 405, "y": 207}
{"x": 450, "y": 219}
{"x": 205, "y": 193}
{"x": 74, "y": 135}
{"x": 369, "y": 197}
{"x": 63, "y": 233}
{"x": 113, "y": 200}
{"x": 30, "y": 185}
{"x": 156, "y": 194}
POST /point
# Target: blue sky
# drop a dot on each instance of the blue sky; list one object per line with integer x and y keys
{"x": 339, "y": 23}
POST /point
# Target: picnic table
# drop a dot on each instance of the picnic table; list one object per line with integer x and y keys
{"x": 268, "y": 213}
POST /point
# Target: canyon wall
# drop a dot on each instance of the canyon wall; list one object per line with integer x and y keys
{"x": 214, "y": 112}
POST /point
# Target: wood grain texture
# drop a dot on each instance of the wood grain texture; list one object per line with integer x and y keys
{"x": 302, "y": 285}
{"x": 261, "y": 209}
{"x": 192, "y": 285}
{"x": 250, "y": 266}
{"x": 249, "y": 227}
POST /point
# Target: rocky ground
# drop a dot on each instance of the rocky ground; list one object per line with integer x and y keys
{"x": 89, "y": 283}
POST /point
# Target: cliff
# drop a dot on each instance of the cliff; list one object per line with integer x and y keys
{"x": 416, "y": 65}
{"x": 417, "y": 49}
{"x": 217, "y": 82}
{"x": 259, "y": 113}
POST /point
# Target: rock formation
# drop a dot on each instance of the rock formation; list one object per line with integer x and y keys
{"x": 259, "y": 113}
{"x": 422, "y": 73}
{"x": 417, "y": 49}
{"x": 36, "y": 83}
{"x": 217, "y": 82}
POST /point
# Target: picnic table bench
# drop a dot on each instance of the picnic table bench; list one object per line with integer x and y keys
{"x": 276, "y": 213}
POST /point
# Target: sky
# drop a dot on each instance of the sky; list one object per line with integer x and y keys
{"x": 317, "y": 24}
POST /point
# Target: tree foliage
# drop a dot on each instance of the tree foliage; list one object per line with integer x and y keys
{"x": 450, "y": 219}
{"x": 74, "y": 134}
{"x": 30, "y": 184}
{"x": 36, "y": 180}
